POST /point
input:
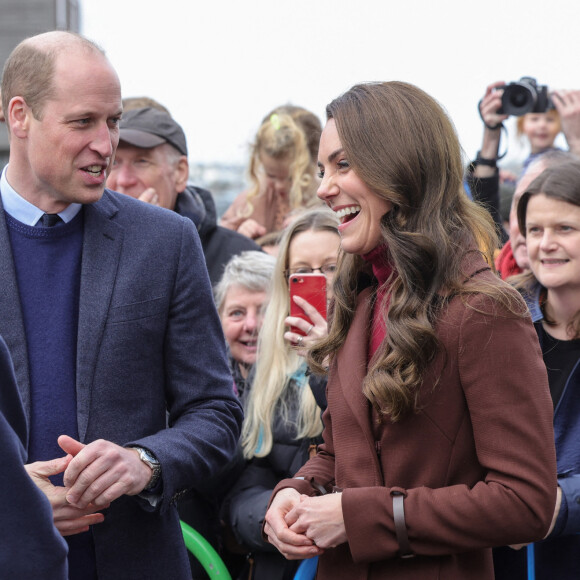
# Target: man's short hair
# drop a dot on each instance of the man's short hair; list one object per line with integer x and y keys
{"x": 29, "y": 70}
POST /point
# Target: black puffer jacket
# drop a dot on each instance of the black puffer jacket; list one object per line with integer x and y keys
{"x": 219, "y": 244}
{"x": 245, "y": 506}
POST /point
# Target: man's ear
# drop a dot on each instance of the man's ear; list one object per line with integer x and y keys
{"x": 181, "y": 174}
{"x": 18, "y": 117}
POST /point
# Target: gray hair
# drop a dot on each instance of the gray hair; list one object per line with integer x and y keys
{"x": 252, "y": 270}
{"x": 552, "y": 158}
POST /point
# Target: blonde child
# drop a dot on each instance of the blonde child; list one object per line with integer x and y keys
{"x": 282, "y": 172}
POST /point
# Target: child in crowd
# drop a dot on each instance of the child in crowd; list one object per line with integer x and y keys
{"x": 541, "y": 130}
{"x": 282, "y": 171}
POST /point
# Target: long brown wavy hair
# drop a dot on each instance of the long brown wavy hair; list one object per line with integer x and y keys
{"x": 402, "y": 145}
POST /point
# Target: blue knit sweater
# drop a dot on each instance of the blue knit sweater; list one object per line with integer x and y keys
{"x": 48, "y": 272}
{"x": 48, "y": 266}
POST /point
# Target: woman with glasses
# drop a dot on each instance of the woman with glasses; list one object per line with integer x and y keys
{"x": 282, "y": 422}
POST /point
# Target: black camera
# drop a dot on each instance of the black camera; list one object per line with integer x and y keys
{"x": 525, "y": 96}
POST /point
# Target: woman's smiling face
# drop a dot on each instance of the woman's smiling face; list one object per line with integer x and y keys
{"x": 359, "y": 209}
{"x": 553, "y": 241}
{"x": 241, "y": 316}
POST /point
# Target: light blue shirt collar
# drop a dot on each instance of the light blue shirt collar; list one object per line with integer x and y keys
{"x": 25, "y": 212}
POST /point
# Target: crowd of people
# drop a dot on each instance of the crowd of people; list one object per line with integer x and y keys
{"x": 159, "y": 366}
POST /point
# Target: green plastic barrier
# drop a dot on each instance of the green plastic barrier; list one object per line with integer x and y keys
{"x": 204, "y": 552}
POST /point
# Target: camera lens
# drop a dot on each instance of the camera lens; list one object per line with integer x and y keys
{"x": 518, "y": 99}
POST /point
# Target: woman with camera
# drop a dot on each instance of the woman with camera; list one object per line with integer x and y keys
{"x": 431, "y": 453}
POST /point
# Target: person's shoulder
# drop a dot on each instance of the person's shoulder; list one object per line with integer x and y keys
{"x": 130, "y": 210}
{"x": 236, "y": 240}
{"x": 485, "y": 294}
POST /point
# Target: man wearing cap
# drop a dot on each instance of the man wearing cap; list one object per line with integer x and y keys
{"x": 151, "y": 165}
{"x": 106, "y": 309}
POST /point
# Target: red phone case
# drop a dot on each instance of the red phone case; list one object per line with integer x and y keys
{"x": 311, "y": 287}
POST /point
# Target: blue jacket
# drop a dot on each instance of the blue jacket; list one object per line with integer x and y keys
{"x": 559, "y": 555}
{"x": 567, "y": 438}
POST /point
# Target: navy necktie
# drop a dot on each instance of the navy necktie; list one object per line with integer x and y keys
{"x": 48, "y": 220}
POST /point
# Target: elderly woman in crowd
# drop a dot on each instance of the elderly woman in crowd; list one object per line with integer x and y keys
{"x": 241, "y": 296}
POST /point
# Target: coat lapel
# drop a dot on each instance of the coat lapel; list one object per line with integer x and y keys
{"x": 352, "y": 366}
{"x": 11, "y": 322}
{"x": 102, "y": 243}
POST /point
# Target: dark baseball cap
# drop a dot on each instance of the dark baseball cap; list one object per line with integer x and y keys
{"x": 149, "y": 127}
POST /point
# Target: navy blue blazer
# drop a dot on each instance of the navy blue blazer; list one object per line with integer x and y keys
{"x": 151, "y": 370}
{"x": 30, "y": 546}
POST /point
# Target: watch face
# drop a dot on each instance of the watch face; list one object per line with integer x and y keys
{"x": 153, "y": 463}
{"x": 146, "y": 456}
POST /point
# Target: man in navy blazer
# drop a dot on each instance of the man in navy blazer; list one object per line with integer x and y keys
{"x": 106, "y": 308}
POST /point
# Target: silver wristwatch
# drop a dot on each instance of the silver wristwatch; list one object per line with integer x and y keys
{"x": 147, "y": 457}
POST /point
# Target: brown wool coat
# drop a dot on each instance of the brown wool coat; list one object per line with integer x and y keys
{"x": 477, "y": 463}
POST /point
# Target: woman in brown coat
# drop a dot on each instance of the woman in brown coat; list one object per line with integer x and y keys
{"x": 438, "y": 433}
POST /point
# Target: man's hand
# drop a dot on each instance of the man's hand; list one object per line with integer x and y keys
{"x": 68, "y": 519}
{"x": 293, "y": 546}
{"x": 149, "y": 196}
{"x": 567, "y": 104}
{"x": 102, "y": 471}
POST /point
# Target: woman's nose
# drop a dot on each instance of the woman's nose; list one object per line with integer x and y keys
{"x": 548, "y": 240}
{"x": 327, "y": 189}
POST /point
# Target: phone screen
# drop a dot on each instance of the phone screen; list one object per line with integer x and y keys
{"x": 311, "y": 287}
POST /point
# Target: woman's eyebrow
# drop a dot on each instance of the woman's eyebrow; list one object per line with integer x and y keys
{"x": 332, "y": 156}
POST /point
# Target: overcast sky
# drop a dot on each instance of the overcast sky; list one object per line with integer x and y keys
{"x": 221, "y": 65}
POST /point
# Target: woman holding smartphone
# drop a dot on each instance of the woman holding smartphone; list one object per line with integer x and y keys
{"x": 282, "y": 422}
{"x": 437, "y": 439}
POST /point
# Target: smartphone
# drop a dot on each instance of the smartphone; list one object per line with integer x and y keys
{"x": 311, "y": 287}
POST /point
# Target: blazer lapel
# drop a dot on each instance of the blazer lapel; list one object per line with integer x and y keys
{"x": 102, "y": 243}
{"x": 11, "y": 322}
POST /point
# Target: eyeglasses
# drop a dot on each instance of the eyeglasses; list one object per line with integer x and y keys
{"x": 327, "y": 270}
